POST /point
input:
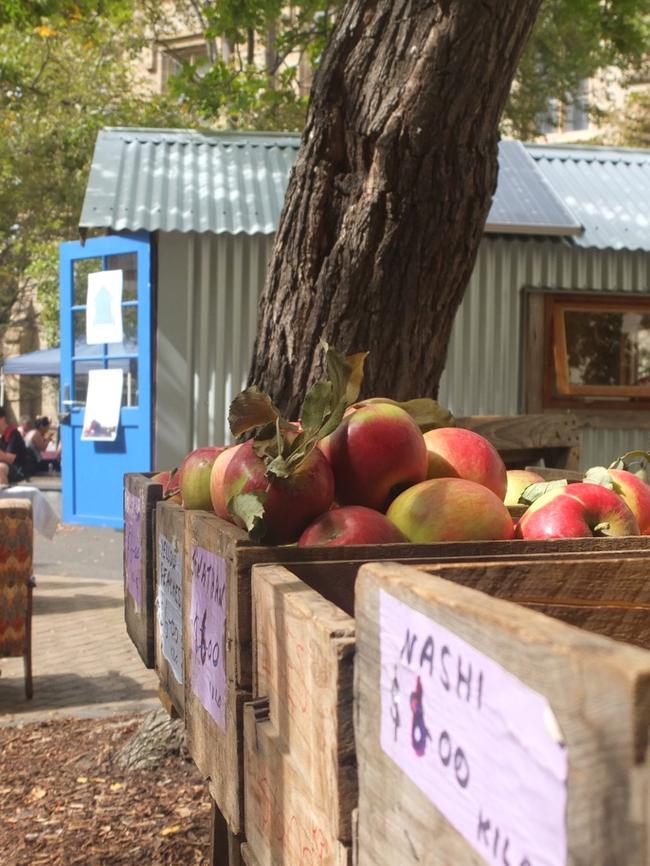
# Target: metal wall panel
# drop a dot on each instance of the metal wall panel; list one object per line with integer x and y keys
{"x": 208, "y": 286}
{"x": 484, "y": 364}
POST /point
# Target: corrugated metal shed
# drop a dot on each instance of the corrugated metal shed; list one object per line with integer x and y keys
{"x": 188, "y": 181}
{"x": 181, "y": 180}
{"x": 606, "y": 189}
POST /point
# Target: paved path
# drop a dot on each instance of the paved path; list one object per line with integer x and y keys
{"x": 84, "y": 663}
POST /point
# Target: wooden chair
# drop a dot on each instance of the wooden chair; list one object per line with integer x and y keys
{"x": 16, "y": 583}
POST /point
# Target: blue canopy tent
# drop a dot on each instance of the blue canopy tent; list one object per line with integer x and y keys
{"x": 47, "y": 362}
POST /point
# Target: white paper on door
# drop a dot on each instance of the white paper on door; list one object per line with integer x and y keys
{"x": 103, "y": 403}
{"x": 104, "y": 308}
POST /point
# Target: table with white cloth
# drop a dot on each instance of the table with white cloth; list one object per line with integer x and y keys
{"x": 45, "y": 517}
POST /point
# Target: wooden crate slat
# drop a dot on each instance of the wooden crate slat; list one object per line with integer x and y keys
{"x": 598, "y": 690}
{"x": 140, "y": 497}
{"x": 304, "y": 651}
{"x": 284, "y": 826}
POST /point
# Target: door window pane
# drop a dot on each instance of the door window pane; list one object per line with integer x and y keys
{"x": 127, "y": 263}
{"x": 81, "y": 269}
{"x": 130, "y": 390}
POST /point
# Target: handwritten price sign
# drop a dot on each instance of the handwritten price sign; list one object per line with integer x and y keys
{"x": 481, "y": 745}
{"x": 133, "y": 546}
{"x": 208, "y": 623}
{"x": 170, "y": 604}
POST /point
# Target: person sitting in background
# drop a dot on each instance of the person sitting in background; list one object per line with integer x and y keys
{"x": 14, "y": 459}
{"x": 25, "y": 424}
{"x": 37, "y": 441}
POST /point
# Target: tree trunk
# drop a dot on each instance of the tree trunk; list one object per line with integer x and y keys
{"x": 389, "y": 195}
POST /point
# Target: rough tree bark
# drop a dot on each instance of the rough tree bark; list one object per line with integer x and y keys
{"x": 390, "y": 192}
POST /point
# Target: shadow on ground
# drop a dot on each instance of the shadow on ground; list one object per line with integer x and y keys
{"x": 55, "y": 691}
{"x": 78, "y": 601}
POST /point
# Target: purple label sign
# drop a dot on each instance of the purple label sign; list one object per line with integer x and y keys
{"x": 133, "y": 546}
{"x": 481, "y": 745}
{"x": 208, "y": 623}
{"x": 170, "y": 603}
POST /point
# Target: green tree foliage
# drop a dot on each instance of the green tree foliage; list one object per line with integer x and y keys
{"x": 572, "y": 40}
{"x": 259, "y": 58}
{"x": 61, "y": 80}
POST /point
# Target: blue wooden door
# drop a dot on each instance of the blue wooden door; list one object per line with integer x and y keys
{"x": 92, "y": 472}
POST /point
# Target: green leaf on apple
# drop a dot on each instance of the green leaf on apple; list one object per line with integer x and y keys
{"x": 538, "y": 489}
{"x": 427, "y": 413}
{"x": 600, "y": 475}
{"x": 345, "y": 373}
{"x": 251, "y": 409}
{"x": 249, "y": 508}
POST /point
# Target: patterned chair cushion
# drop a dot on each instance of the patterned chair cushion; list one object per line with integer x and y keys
{"x": 16, "y": 550}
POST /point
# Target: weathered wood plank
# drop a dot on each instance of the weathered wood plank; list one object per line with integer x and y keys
{"x": 606, "y": 596}
{"x": 598, "y": 690}
{"x": 140, "y": 497}
{"x": 170, "y": 554}
{"x": 284, "y": 826}
{"x": 553, "y": 436}
{"x": 304, "y": 649}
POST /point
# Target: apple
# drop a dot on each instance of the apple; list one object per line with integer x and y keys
{"x": 636, "y": 493}
{"x": 458, "y": 453}
{"x": 517, "y": 481}
{"x": 170, "y": 484}
{"x": 578, "y": 511}
{"x": 450, "y": 509}
{"x": 351, "y": 524}
{"x": 195, "y": 477}
{"x": 217, "y": 493}
{"x": 375, "y": 452}
{"x": 291, "y": 503}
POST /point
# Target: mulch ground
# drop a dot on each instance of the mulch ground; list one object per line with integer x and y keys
{"x": 64, "y": 801}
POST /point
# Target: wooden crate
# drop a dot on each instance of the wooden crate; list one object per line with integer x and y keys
{"x": 224, "y": 557}
{"x": 168, "y": 620}
{"x": 247, "y": 856}
{"x": 507, "y": 681}
{"x": 140, "y": 497}
{"x": 299, "y": 761}
{"x": 225, "y": 846}
{"x": 553, "y": 437}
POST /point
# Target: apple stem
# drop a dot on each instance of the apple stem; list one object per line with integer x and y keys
{"x": 602, "y": 528}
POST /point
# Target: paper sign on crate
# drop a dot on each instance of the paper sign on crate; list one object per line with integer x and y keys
{"x": 208, "y": 623}
{"x": 170, "y": 604}
{"x": 481, "y": 745}
{"x": 133, "y": 546}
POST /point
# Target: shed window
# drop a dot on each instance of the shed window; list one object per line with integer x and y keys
{"x": 600, "y": 351}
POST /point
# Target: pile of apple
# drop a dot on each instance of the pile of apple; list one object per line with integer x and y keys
{"x": 379, "y": 472}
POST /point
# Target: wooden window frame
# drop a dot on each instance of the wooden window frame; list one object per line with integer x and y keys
{"x": 558, "y": 392}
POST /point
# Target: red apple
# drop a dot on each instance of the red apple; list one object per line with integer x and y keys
{"x": 217, "y": 493}
{"x": 578, "y": 511}
{"x": 291, "y": 503}
{"x": 518, "y": 480}
{"x": 195, "y": 477}
{"x": 170, "y": 484}
{"x": 636, "y": 493}
{"x": 376, "y": 452}
{"x": 450, "y": 509}
{"x": 458, "y": 453}
{"x": 352, "y": 524}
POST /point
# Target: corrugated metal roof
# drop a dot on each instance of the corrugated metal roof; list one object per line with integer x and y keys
{"x": 181, "y": 180}
{"x": 606, "y": 189}
{"x": 525, "y": 202}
